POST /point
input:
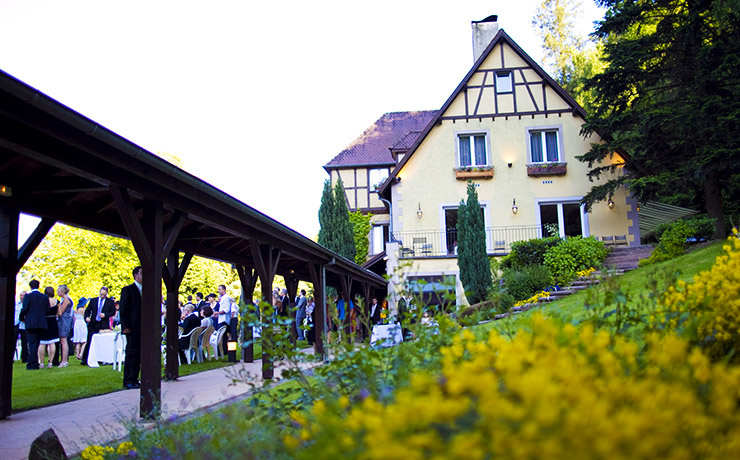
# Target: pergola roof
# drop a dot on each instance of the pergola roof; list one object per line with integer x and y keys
{"x": 60, "y": 165}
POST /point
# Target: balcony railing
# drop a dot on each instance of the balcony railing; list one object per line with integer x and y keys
{"x": 443, "y": 243}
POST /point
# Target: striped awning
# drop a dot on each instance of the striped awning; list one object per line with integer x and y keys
{"x": 654, "y": 213}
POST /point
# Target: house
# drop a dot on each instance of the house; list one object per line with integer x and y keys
{"x": 513, "y": 131}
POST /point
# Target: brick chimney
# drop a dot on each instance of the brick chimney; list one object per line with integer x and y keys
{"x": 483, "y": 33}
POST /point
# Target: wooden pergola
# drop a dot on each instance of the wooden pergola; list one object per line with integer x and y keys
{"x": 63, "y": 167}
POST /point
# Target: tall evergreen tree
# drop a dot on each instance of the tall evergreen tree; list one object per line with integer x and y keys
{"x": 472, "y": 257}
{"x": 326, "y": 217}
{"x": 670, "y": 98}
{"x": 344, "y": 235}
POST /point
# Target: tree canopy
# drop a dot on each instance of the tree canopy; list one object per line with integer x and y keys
{"x": 670, "y": 98}
{"x": 472, "y": 256}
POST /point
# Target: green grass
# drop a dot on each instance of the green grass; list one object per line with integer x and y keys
{"x": 46, "y": 387}
{"x": 635, "y": 283}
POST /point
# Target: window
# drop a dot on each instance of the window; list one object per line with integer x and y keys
{"x": 544, "y": 146}
{"x": 503, "y": 82}
{"x": 472, "y": 150}
{"x": 450, "y": 216}
{"x": 561, "y": 219}
{"x": 377, "y": 177}
{"x": 379, "y": 235}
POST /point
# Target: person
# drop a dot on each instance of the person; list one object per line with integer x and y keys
{"x": 200, "y": 303}
{"x": 188, "y": 324}
{"x": 33, "y": 313}
{"x": 310, "y": 332}
{"x": 80, "y": 332}
{"x": 97, "y": 314}
{"x": 300, "y": 314}
{"x": 49, "y": 337}
{"x": 374, "y": 312}
{"x": 64, "y": 322}
{"x": 130, "y": 310}
{"x": 20, "y": 327}
{"x": 224, "y": 312}
{"x": 285, "y": 301}
{"x": 207, "y": 313}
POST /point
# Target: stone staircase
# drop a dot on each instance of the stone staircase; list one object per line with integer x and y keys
{"x": 627, "y": 258}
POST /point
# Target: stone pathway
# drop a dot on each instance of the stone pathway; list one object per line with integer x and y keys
{"x": 101, "y": 419}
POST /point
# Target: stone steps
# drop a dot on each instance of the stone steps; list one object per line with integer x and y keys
{"x": 627, "y": 258}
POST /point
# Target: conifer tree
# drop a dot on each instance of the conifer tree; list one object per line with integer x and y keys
{"x": 326, "y": 217}
{"x": 344, "y": 237}
{"x": 472, "y": 257}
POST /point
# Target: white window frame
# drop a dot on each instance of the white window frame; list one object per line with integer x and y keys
{"x": 500, "y": 77}
{"x": 383, "y": 172}
{"x": 542, "y": 130}
{"x": 374, "y": 243}
{"x": 471, "y": 135}
{"x": 585, "y": 230}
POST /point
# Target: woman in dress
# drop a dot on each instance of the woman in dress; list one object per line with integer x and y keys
{"x": 80, "y": 332}
{"x": 64, "y": 322}
{"x": 49, "y": 337}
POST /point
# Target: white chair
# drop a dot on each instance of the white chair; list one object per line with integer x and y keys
{"x": 119, "y": 355}
{"x": 193, "y": 342}
{"x": 18, "y": 348}
{"x": 205, "y": 344}
{"x": 217, "y": 344}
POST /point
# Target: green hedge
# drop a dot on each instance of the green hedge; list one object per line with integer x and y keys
{"x": 573, "y": 255}
{"x": 530, "y": 252}
{"x": 523, "y": 283}
{"x": 674, "y": 238}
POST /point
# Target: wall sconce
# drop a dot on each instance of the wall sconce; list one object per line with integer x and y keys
{"x": 610, "y": 203}
{"x": 5, "y": 190}
{"x": 419, "y": 212}
{"x": 638, "y": 207}
{"x": 510, "y": 163}
{"x": 514, "y": 207}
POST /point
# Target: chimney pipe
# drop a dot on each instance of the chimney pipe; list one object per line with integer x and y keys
{"x": 483, "y": 33}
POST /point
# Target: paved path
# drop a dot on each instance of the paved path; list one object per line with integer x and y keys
{"x": 99, "y": 419}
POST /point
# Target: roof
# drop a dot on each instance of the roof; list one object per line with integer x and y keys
{"x": 406, "y": 142}
{"x": 654, "y": 213}
{"x": 501, "y": 37}
{"x": 373, "y": 146}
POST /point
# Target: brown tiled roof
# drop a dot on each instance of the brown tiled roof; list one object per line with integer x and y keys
{"x": 373, "y": 146}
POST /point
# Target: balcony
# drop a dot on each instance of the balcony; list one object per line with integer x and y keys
{"x": 443, "y": 243}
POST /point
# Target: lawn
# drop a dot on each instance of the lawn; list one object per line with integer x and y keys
{"x": 636, "y": 283}
{"x": 46, "y": 387}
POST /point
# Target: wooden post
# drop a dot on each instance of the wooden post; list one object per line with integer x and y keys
{"x": 346, "y": 295}
{"x": 173, "y": 273}
{"x": 318, "y": 278}
{"x": 248, "y": 278}
{"x": 291, "y": 285}
{"x": 266, "y": 259}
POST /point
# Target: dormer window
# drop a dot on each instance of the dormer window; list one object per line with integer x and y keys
{"x": 472, "y": 149}
{"x": 504, "y": 82}
{"x": 377, "y": 177}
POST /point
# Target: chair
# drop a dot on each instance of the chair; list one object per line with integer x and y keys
{"x": 218, "y": 345}
{"x": 608, "y": 240}
{"x": 420, "y": 244}
{"x": 18, "y": 348}
{"x": 119, "y": 355}
{"x": 193, "y": 342}
{"x": 620, "y": 240}
{"x": 205, "y": 343}
{"x": 406, "y": 251}
{"x": 499, "y": 246}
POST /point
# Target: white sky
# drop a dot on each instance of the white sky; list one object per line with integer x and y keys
{"x": 254, "y": 96}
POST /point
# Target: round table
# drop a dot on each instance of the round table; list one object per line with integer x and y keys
{"x": 102, "y": 348}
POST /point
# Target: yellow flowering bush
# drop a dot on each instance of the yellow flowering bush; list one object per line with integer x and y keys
{"x": 712, "y": 300}
{"x": 534, "y": 299}
{"x": 585, "y": 273}
{"x": 125, "y": 449}
{"x": 555, "y": 392}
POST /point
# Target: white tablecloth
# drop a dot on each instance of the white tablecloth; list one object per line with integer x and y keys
{"x": 390, "y": 334}
{"x": 102, "y": 349}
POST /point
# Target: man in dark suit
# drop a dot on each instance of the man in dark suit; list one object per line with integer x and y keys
{"x": 130, "y": 312}
{"x": 199, "y": 302}
{"x": 374, "y": 312}
{"x": 97, "y": 316}
{"x": 190, "y": 322}
{"x": 33, "y": 312}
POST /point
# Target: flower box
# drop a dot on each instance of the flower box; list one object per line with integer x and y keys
{"x": 547, "y": 169}
{"x": 467, "y": 173}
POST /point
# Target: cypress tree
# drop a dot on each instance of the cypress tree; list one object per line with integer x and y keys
{"x": 342, "y": 227}
{"x": 472, "y": 256}
{"x": 326, "y": 217}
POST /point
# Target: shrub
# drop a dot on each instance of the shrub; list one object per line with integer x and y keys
{"x": 672, "y": 243}
{"x": 544, "y": 394}
{"x": 530, "y": 252}
{"x": 522, "y": 283}
{"x": 704, "y": 227}
{"x": 713, "y": 303}
{"x": 573, "y": 255}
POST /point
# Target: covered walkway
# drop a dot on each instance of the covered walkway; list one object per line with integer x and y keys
{"x": 63, "y": 167}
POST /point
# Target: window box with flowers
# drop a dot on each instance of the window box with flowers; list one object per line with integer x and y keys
{"x": 547, "y": 169}
{"x": 473, "y": 172}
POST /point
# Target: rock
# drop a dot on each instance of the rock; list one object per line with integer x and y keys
{"x": 47, "y": 447}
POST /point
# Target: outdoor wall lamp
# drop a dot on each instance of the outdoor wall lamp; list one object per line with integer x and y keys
{"x": 638, "y": 207}
{"x": 419, "y": 212}
{"x": 514, "y": 207}
{"x": 610, "y": 203}
{"x": 5, "y": 190}
{"x": 510, "y": 163}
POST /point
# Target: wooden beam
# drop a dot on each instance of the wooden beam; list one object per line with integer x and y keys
{"x": 171, "y": 268}
{"x": 291, "y": 285}
{"x": 248, "y": 279}
{"x": 33, "y": 241}
{"x": 8, "y": 270}
{"x": 133, "y": 227}
{"x": 318, "y": 279}
{"x": 173, "y": 230}
{"x": 266, "y": 260}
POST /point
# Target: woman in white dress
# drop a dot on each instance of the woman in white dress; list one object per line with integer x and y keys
{"x": 80, "y": 332}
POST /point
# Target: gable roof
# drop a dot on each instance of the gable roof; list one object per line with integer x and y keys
{"x": 501, "y": 37}
{"x": 373, "y": 147}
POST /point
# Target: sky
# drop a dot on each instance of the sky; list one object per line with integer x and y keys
{"x": 254, "y": 97}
